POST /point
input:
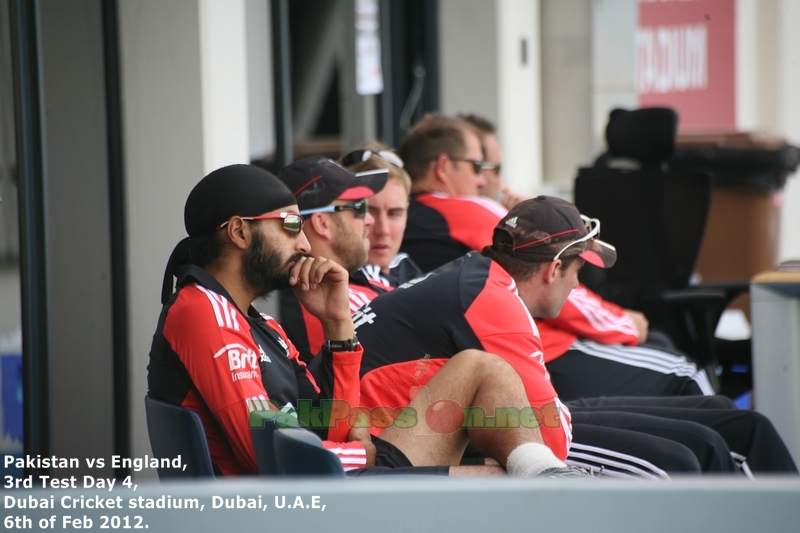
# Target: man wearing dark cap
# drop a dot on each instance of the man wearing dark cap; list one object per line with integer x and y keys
{"x": 488, "y": 302}
{"x": 334, "y": 203}
{"x": 215, "y": 354}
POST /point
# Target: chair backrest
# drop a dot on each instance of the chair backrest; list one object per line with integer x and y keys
{"x": 174, "y": 431}
{"x": 299, "y": 452}
{"x": 645, "y": 135}
{"x": 656, "y": 220}
{"x": 263, "y": 425}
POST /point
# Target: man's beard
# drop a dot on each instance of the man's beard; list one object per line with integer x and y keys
{"x": 349, "y": 247}
{"x": 263, "y": 270}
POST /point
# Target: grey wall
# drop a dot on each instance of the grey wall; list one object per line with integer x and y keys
{"x": 468, "y": 57}
{"x": 162, "y": 101}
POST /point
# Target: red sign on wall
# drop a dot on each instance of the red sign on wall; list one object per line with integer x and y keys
{"x": 685, "y": 59}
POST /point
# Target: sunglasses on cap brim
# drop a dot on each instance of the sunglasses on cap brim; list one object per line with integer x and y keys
{"x": 292, "y": 222}
{"x": 359, "y": 156}
{"x": 360, "y": 207}
{"x": 593, "y": 229}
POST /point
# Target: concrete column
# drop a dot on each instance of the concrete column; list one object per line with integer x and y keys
{"x": 468, "y": 57}
{"x": 223, "y": 69}
{"x": 261, "y": 117}
{"x": 790, "y": 124}
{"x": 519, "y": 119}
{"x": 185, "y": 113}
{"x": 490, "y": 65}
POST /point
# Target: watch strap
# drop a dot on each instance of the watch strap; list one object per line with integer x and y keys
{"x": 341, "y": 346}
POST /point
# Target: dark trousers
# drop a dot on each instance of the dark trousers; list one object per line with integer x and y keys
{"x": 628, "y": 453}
{"x": 748, "y": 434}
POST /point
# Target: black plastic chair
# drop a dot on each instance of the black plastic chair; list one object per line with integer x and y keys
{"x": 174, "y": 431}
{"x": 656, "y": 219}
{"x": 299, "y": 452}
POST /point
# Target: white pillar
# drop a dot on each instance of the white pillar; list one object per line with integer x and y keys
{"x": 223, "y": 67}
{"x": 746, "y": 64}
{"x": 519, "y": 120}
{"x": 767, "y": 86}
{"x": 261, "y": 117}
{"x": 790, "y": 124}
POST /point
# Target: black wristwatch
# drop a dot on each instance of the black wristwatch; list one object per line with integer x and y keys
{"x": 341, "y": 346}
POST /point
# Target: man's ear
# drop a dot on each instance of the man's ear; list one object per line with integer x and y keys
{"x": 320, "y": 225}
{"x": 239, "y": 232}
{"x": 441, "y": 169}
{"x": 551, "y": 270}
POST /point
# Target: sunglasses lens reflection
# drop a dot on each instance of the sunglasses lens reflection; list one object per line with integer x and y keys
{"x": 293, "y": 224}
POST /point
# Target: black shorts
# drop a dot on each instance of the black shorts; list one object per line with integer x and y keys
{"x": 389, "y": 460}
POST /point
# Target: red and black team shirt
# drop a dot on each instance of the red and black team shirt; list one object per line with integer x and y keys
{"x": 441, "y": 228}
{"x": 471, "y": 303}
{"x": 365, "y": 284}
{"x": 211, "y": 358}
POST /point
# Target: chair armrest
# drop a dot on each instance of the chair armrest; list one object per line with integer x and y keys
{"x": 732, "y": 289}
{"x": 263, "y": 425}
{"x": 299, "y": 452}
{"x": 691, "y": 297}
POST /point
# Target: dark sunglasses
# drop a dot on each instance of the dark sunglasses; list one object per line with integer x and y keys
{"x": 360, "y": 207}
{"x": 359, "y": 156}
{"x": 477, "y": 164}
{"x": 292, "y": 222}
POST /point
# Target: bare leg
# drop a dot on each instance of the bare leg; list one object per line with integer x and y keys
{"x": 470, "y": 378}
{"x": 477, "y": 471}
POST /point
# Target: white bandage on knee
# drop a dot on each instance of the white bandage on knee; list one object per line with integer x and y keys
{"x": 531, "y": 458}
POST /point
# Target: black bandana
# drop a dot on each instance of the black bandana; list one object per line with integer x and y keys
{"x": 242, "y": 190}
{"x": 235, "y": 190}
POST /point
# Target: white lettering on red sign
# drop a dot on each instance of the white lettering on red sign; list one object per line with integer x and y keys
{"x": 672, "y": 59}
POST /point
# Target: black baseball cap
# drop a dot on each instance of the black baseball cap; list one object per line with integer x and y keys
{"x": 546, "y": 228}
{"x": 317, "y": 181}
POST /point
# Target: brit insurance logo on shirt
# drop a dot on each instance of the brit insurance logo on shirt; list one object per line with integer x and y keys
{"x": 242, "y": 361}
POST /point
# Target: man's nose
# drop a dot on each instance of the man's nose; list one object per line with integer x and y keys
{"x": 369, "y": 220}
{"x": 301, "y": 243}
{"x": 381, "y": 227}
